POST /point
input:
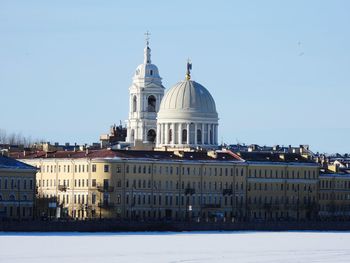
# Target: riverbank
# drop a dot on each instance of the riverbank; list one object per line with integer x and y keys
{"x": 122, "y": 226}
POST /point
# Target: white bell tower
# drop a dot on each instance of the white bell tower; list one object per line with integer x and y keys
{"x": 145, "y": 95}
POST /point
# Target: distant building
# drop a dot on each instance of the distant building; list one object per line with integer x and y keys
{"x": 301, "y": 150}
{"x": 116, "y": 135}
{"x": 17, "y": 189}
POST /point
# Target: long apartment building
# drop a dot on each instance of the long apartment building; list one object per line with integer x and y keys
{"x": 155, "y": 185}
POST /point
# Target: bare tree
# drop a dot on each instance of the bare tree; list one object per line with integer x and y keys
{"x": 17, "y": 139}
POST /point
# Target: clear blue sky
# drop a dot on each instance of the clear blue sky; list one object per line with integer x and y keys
{"x": 278, "y": 70}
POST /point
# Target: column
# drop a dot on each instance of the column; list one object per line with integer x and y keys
{"x": 188, "y": 133}
{"x": 208, "y": 133}
{"x": 195, "y": 133}
{"x": 202, "y": 133}
{"x": 173, "y": 134}
{"x": 166, "y": 130}
{"x": 179, "y": 139}
{"x": 158, "y": 134}
{"x": 136, "y": 132}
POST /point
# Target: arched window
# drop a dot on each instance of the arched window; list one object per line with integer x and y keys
{"x": 184, "y": 136}
{"x": 151, "y": 135}
{"x": 132, "y": 135}
{"x": 151, "y": 106}
{"x": 12, "y": 198}
{"x": 211, "y": 137}
{"x": 199, "y": 136}
{"x": 170, "y": 137}
{"x": 134, "y": 104}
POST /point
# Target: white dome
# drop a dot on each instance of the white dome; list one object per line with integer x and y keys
{"x": 186, "y": 100}
{"x": 187, "y": 118}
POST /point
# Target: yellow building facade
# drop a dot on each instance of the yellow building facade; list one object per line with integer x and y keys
{"x": 149, "y": 185}
{"x": 334, "y": 195}
{"x": 17, "y": 189}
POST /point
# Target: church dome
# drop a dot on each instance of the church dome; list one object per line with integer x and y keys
{"x": 187, "y": 99}
{"x": 187, "y": 117}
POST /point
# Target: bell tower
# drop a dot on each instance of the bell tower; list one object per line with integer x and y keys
{"x": 145, "y": 95}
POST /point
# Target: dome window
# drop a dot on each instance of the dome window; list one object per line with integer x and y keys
{"x": 151, "y": 72}
{"x": 199, "y": 136}
{"x": 184, "y": 136}
{"x": 170, "y": 137}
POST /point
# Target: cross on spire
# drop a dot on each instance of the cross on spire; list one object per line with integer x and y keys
{"x": 147, "y": 34}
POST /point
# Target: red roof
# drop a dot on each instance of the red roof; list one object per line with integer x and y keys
{"x": 127, "y": 154}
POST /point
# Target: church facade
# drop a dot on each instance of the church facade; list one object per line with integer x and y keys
{"x": 145, "y": 95}
{"x": 185, "y": 118}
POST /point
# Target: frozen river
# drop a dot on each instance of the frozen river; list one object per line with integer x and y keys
{"x": 230, "y": 247}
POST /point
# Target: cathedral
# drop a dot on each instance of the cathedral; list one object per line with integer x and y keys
{"x": 182, "y": 118}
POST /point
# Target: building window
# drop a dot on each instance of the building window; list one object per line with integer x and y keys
{"x": 132, "y": 137}
{"x": 93, "y": 198}
{"x": 151, "y": 135}
{"x": 134, "y": 104}
{"x": 93, "y": 182}
{"x": 94, "y": 168}
{"x": 151, "y": 106}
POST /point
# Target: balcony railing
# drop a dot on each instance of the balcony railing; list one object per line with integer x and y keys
{"x": 190, "y": 191}
{"x": 106, "y": 205}
{"x": 62, "y": 188}
{"x": 227, "y": 192}
{"x": 212, "y": 206}
{"x": 103, "y": 188}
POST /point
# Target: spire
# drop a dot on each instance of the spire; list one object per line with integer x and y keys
{"x": 147, "y": 51}
{"x": 189, "y": 68}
